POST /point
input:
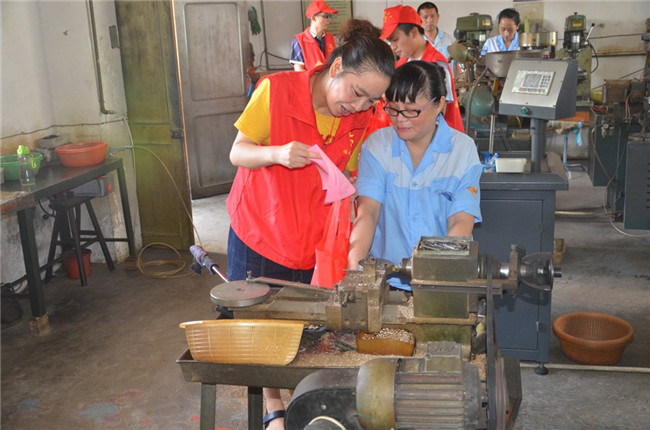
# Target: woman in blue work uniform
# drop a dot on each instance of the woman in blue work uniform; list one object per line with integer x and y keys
{"x": 508, "y": 39}
{"x": 419, "y": 177}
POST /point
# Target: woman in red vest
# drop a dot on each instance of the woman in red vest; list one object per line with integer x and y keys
{"x": 402, "y": 28}
{"x": 312, "y": 47}
{"x": 276, "y": 204}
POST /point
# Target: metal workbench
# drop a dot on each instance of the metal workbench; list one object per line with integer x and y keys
{"x": 22, "y": 199}
{"x": 252, "y": 376}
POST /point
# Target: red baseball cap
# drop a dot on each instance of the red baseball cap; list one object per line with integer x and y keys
{"x": 318, "y": 6}
{"x": 396, "y": 15}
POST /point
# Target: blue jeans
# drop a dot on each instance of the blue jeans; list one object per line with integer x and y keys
{"x": 242, "y": 259}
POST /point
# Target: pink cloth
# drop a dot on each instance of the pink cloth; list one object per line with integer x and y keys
{"x": 335, "y": 183}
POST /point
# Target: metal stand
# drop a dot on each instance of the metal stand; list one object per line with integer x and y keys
{"x": 491, "y": 144}
{"x": 537, "y": 144}
{"x": 564, "y": 157}
{"x": 541, "y": 369}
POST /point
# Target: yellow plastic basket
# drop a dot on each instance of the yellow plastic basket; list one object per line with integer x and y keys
{"x": 271, "y": 342}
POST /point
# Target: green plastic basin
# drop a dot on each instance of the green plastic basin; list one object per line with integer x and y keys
{"x": 11, "y": 168}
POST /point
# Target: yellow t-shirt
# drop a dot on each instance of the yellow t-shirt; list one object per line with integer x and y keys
{"x": 255, "y": 122}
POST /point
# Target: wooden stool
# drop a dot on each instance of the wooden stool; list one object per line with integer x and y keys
{"x": 67, "y": 225}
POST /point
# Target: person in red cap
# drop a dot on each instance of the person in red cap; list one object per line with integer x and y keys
{"x": 403, "y": 30}
{"x": 313, "y": 46}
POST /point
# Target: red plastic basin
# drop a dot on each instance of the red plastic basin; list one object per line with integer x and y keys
{"x": 82, "y": 153}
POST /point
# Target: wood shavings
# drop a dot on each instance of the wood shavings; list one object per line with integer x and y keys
{"x": 329, "y": 351}
{"x": 480, "y": 361}
{"x": 391, "y": 334}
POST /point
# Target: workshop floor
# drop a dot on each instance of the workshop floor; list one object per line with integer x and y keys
{"x": 109, "y": 359}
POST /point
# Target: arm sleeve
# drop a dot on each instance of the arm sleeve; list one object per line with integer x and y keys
{"x": 296, "y": 53}
{"x": 371, "y": 181}
{"x": 255, "y": 121}
{"x": 448, "y": 78}
{"x": 489, "y": 46}
{"x": 467, "y": 197}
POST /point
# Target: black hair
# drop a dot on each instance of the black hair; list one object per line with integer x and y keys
{"x": 417, "y": 77}
{"x": 510, "y": 14}
{"x": 427, "y": 5}
{"x": 407, "y": 27}
{"x": 356, "y": 27}
{"x": 363, "y": 52}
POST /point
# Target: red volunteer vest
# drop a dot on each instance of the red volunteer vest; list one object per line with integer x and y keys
{"x": 452, "y": 113}
{"x": 311, "y": 52}
{"x": 279, "y": 212}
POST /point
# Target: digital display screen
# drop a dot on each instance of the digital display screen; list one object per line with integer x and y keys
{"x": 533, "y": 82}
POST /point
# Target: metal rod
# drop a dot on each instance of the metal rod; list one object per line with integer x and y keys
{"x": 290, "y": 284}
{"x": 537, "y": 144}
{"x": 491, "y": 144}
{"x": 591, "y": 367}
{"x": 98, "y": 67}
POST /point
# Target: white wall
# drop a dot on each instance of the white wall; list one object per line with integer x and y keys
{"x": 49, "y": 86}
{"x": 612, "y": 19}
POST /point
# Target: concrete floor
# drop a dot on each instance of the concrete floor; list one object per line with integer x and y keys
{"x": 109, "y": 360}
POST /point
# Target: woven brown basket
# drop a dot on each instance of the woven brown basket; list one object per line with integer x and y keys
{"x": 241, "y": 341}
{"x": 593, "y": 338}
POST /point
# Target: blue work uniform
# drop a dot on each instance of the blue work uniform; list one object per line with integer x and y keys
{"x": 418, "y": 202}
{"x": 442, "y": 42}
{"x": 496, "y": 44}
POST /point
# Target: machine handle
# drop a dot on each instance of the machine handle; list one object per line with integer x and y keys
{"x": 593, "y": 24}
{"x": 203, "y": 260}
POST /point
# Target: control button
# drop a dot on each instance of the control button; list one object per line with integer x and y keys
{"x": 524, "y": 110}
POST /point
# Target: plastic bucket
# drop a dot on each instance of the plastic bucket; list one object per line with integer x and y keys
{"x": 71, "y": 266}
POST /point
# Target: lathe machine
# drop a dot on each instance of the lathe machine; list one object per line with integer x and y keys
{"x": 453, "y": 286}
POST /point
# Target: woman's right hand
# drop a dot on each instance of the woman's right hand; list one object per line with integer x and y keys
{"x": 293, "y": 155}
{"x": 246, "y": 153}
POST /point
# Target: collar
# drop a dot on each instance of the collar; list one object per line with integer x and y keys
{"x": 514, "y": 45}
{"x": 438, "y": 36}
{"x": 316, "y": 35}
{"x": 442, "y": 139}
{"x": 441, "y": 143}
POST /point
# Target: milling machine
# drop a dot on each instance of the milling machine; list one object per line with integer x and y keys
{"x": 451, "y": 283}
{"x": 576, "y": 45}
{"x": 470, "y": 33}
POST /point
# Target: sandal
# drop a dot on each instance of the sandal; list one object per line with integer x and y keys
{"x": 273, "y": 415}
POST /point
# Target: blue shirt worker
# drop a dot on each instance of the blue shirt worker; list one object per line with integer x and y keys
{"x": 441, "y": 40}
{"x": 417, "y": 178}
{"x": 508, "y": 38}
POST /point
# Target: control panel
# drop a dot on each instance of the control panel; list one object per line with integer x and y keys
{"x": 540, "y": 88}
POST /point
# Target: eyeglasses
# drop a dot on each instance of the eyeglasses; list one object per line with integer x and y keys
{"x": 407, "y": 113}
{"x": 508, "y": 29}
{"x": 326, "y": 15}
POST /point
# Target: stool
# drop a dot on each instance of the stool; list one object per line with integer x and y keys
{"x": 67, "y": 225}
